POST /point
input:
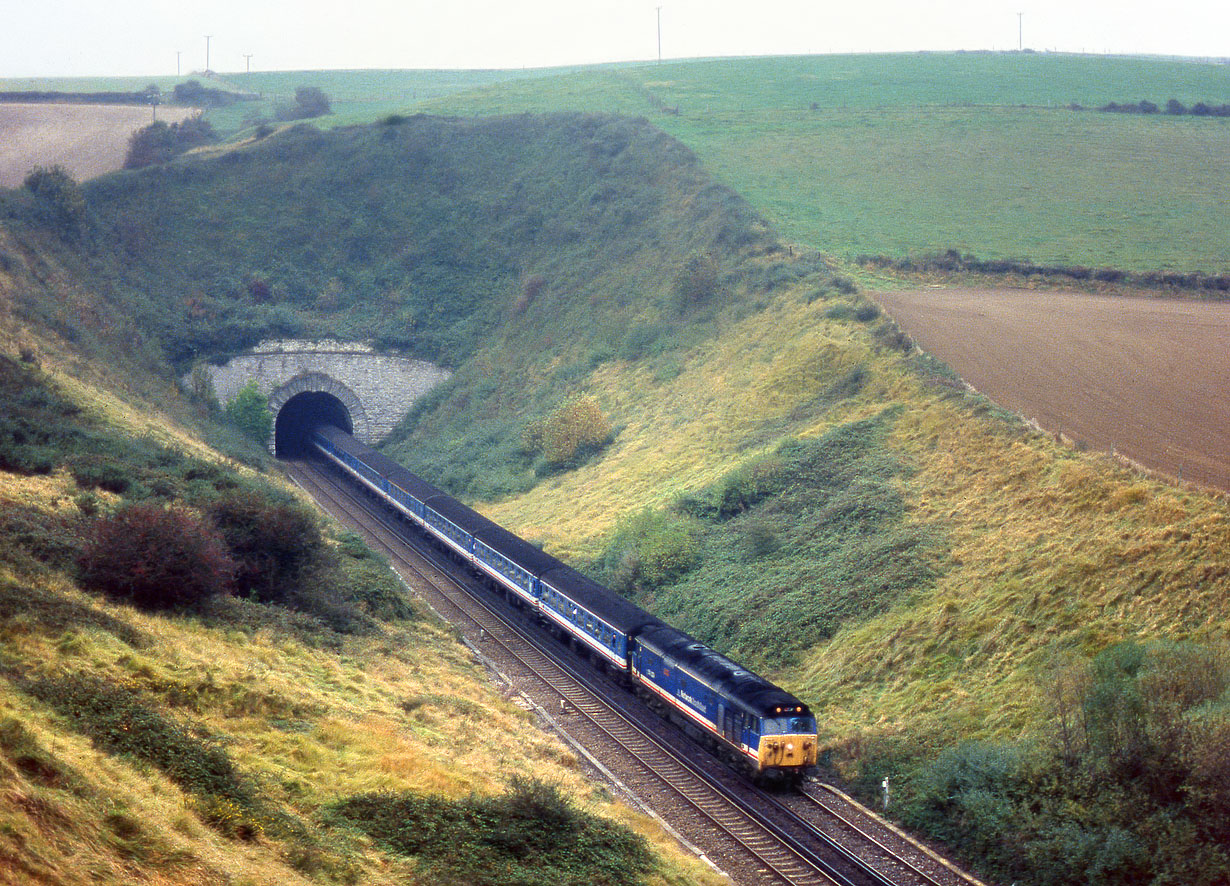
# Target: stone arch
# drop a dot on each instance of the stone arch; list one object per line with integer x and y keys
{"x": 319, "y": 383}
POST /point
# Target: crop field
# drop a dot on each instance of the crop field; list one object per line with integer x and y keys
{"x": 917, "y": 153}
{"x": 87, "y": 140}
{"x": 879, "y": 154}
{"x": 1145, "y": 377}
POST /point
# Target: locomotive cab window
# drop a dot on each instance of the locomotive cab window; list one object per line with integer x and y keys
{"x": 787, "y": 725}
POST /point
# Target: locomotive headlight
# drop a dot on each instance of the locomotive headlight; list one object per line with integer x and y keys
{"x": 790, "y": 746}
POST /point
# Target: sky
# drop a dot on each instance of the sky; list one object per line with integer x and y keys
{"x": 46, "y": 38}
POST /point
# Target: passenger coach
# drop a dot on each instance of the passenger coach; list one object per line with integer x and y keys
{"x": 764, "y": 729}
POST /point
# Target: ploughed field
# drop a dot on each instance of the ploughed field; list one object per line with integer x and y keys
{"x": 1147, "y": 377}
{"x": 87, "y": 140}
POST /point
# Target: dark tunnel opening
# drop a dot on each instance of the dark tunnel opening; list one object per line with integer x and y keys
{"x": 303, "y": 412}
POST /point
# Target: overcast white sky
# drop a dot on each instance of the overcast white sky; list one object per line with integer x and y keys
{"x": 141, "y": 37}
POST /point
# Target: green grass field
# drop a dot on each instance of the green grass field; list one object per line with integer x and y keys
{"x": 880, "y": 154}
{"x": 916, "y": 153}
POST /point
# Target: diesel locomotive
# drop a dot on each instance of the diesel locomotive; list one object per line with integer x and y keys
{"x": 765, "y": 730}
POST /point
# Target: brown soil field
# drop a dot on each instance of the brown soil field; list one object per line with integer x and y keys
{"x": 1146, "y": 377}
{"x": 87, "y": 140}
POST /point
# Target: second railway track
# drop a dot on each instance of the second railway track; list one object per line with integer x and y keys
{"x": 757, "y": 837}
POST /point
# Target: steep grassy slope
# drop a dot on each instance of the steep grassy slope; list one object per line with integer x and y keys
{"x": 1025, "y": 638}
{"x": 419, "y": 233}
{"x": 1028, "y": 640}
{"x": 571, "y": 239}
{"x": 231, "y": 742}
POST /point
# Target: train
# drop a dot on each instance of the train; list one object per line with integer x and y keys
{"x": 760, "y": 728}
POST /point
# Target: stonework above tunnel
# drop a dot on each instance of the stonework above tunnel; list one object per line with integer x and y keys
{"x": 376, "y": 389}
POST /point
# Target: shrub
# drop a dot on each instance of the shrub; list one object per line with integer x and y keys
{"x": 533, "y": 833}
{"x": 271, "y": 543}
{"x": 249, "y": 411}
{"x": 651, "y": 549}
{"x": 155, "y": 557}
{"x": 696, "y": 282}
{"x": 122, "y": 721}
{"x": 149, "y": 145}
{"x": 532, "y": 287}
{"x": 160, "y": 141}
{"x": 759, "y": 539}
{"x": 310, "y": 101}
{"x": 741, "y": 489}
{"x": 576, "y": 429}
{"x": 58, "y": 199}
{"x": 192, "y": 93}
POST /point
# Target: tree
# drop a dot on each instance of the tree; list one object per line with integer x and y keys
{"x": 249, "y": 411}
{"x": 156, "y": 557}
{"x": 149, "y": 145}
{"x": 160, "y": 142}
{"x": 310, "y": 101}
{"x": 58, "y": 198}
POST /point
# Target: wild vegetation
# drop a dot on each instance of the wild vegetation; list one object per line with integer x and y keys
{"x": 194, "y": 674}
{"x": 1007, "y": 628}
{"x": 161, "y": 142}
{"x": 531, "y": 834}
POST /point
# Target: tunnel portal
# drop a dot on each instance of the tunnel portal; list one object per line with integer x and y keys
{"x": 303, "y": 412}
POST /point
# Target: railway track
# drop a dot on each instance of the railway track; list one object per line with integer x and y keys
{"x": 777, "y": 842}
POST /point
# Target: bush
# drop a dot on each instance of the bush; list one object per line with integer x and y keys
{"x": 160, "y": 142}
{"x": 122, "y": 721}
{"x": 156, "y": 557}
{"x": 533, "y": 833}
{"x": 651, "y": 549}
{"x": 310, "y": 102}
{"x": 58, "y": 199}
{"x": 696, "y": 283}
{"x": 249, "y": 411}
{"x": 575, "y": 430}
{"x": 271, "y": 543}
{"x": 741, "y": 489}
{"x": 193, "y": 93}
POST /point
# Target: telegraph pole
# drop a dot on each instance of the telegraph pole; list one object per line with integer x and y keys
{"x": 248, "y": 58}
{"x": 1020, "y": 33}
{"x": 207, "y": 36}
{"x": 659, "y": 35}
{"x": 178, "y": 53}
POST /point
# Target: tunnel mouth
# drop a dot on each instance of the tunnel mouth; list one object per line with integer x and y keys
{"x": 302, "y": 413}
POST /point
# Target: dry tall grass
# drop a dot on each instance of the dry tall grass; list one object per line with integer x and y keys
{"x": 1045, "y": 550}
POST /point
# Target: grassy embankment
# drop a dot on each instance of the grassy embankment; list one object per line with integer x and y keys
{"x": 1031, "y": 564}
{"x": 1021, "y": 560}
{"x": 240, "y": 742}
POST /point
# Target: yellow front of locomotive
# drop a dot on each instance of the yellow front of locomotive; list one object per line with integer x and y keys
{"x": 788, "y": 742}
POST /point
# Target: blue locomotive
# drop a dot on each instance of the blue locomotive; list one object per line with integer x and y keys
{"x": 762, "y": 728}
